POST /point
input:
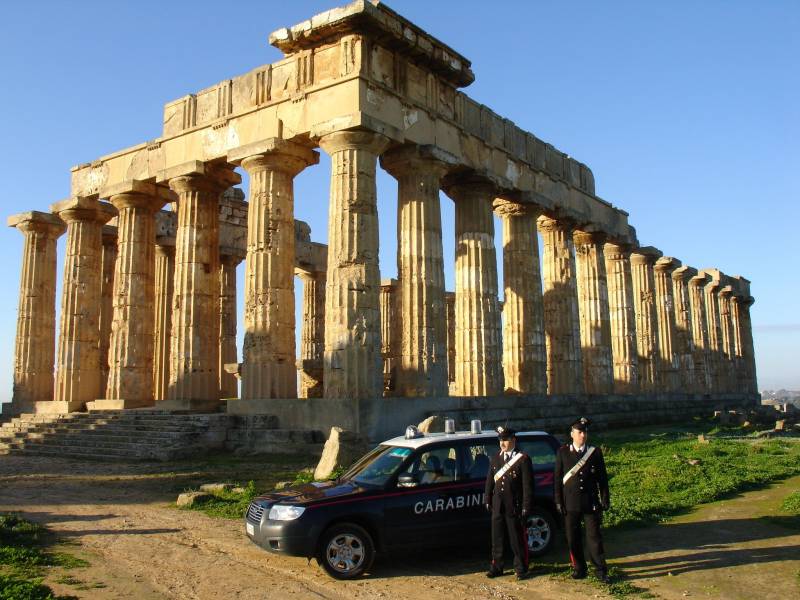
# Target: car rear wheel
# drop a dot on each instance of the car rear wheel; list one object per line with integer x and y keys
{"x": 346, "y": 551}
{"x": 540, "y": 529}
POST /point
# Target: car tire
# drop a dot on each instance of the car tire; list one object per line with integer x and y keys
{"x": 540, "y": 531}
{"x": 346, "y": 551}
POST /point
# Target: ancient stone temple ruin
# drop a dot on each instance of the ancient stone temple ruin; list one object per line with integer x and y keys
{"x": 154, "y": 233}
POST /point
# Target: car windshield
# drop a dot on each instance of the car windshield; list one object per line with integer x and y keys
{"x": 378, "y": 466}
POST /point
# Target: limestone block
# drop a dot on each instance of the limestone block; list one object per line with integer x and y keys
{"x": 216, "y": 487}
{"x": 341, "y": 449}
{"x": 433, "y": 424}
{"x": 189, "y": 499}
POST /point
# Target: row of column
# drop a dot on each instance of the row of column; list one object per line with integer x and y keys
{"x": 600, "y": 317}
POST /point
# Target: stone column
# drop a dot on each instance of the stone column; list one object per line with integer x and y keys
{"x": 390, "y": 334}
{"x": 683, "y": 345}
{"x": 422, "y": 361}
{"x": 130, "y": 376}
{"x": 352, "y": 312}
{"x": 593, "y": 308}
{"x": 479, "y": 370}
{"x": 268, "y": 356}
{"x": 622, "y": 318}
{"x": 78, "y": 362}
{"x": 312, "y": 346}
{"x": 524, "y": 352}
{"x": 665, "y": 313}
{"x": 228, "y": 382}
{"x": 561, "y": 318}
{"x": 644, "y": 302}
{"x": 728, "y": 344}
{"x": 108, "y": 263}
{"x": 702, "y": 359}
{"x": 745, "y": 330}
{"x": 164, "y": 286}
{"x": 450, "y": 320}
{"x": 194, "y": 350}
{"x": 34, "y": 346}
{"x": 711, "y": 296}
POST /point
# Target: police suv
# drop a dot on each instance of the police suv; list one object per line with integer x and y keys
{"x": 414, "y": 491}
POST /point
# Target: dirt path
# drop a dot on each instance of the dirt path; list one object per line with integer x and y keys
{"x": 120, "y": 519}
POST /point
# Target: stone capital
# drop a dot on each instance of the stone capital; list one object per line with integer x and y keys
{"x": 354, "y": 140}
{"x": 700, "y": 280}
{"x": 426, "y": 158}
{"x": 645, "y": 255}
{"x": 667, "y": 264}
{"x": 684, "y": 273}
{"x": 274, "y": 154}
{"x": 726, "y": 292}
{"x": 200, "y": 176}
{"x": 582, "y": 237}
{"x": 40, "y": 222}
{"x": 509, "y": 208}
{"x": 547, "y": 223}
{"x": 469, "y": 186}
{"x": 617, "y": 251}
{"x": 84, "y": 209}
{"x": 135, "y": 187}
{"x": 137, "y": 200}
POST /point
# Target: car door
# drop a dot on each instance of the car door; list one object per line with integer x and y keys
{"x": 476, "y": 459}
{"x": 422, "y": 515}
{"x": 542, "y": 451}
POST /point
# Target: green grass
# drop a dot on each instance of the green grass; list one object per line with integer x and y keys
{"x": 791, "y": 504}
{"x": 24, "y": 559}
{"x": 651, "y": 478}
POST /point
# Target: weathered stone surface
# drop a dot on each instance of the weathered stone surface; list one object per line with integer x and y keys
{"x": 390, "y": 334}
{"x": 33, "y": 350}
{"x": 341, "y": 449}
{"x": 683, "y": 342}
{"x": 524, "y": 350}
{"x": 108, "y": 261}
{"x": 644, "y": 302}
{"x": 479, "y": 370}
{"x": 188, "y": 499}
{"x": 216, "y": 487}
{"x": 433, "y": 424}
{"x": 312, "y": 342}
{"x": 561, "y": 317}
{"x": 164, "y": 286}
{"x": 622, "y": 318}
{"x": 665, "y": 314}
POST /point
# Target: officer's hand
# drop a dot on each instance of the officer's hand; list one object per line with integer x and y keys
{"x": 561, "y": 510}
{"x": 525, "y": 513}
{"x": 488, "y": 507}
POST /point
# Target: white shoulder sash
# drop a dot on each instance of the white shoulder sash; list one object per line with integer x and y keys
{"x": 568, "y": 475}
{"x": 507, "y": 466}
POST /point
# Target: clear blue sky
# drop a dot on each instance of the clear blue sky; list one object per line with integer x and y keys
{"x": 687, "y": 113}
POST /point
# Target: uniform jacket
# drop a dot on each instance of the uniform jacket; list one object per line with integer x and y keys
{"x": 514, "y": 491}
{"x": 587, "y": 490}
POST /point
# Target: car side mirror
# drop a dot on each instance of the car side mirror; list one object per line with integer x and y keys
{"x": 407, "y": 481}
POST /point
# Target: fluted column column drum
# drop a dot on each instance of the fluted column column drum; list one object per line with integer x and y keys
{"x": 269, "y": 353}
{"x": 34, "y": 349}
{"x": 622, "y": 318}
{"x": 561, "y": 317}
{"x": 593, "y": 309}
{"x": 108, "y": 261}
{"x": 644, "y": 301}
{"x": 683, "y": 342}
{"x": 702, "y": 359}
{"x": 352, "y": 311}
{"x": 78, "y": 358}
{"x": 479, "y": 370}
{"x": 422, "y": 361}
{"x": 164, "y": 285}
{"x": 665, "y": 313}
{"x": 728, "y": 343}
{"x": 715, "y": 351}
{"x": 524, "y": 350}
{"x": 228, "y": 383}
{"x": 312, "y": 341}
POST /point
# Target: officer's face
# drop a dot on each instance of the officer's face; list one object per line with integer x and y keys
{"x": 507, "y": 445}
{"x": 578, "y": 437}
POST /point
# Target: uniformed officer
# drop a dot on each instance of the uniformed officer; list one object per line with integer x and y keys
{"x": 509, "y": 497}
{"x": 581, "y": 493}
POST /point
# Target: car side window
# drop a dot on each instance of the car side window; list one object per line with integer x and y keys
{"x": 541, "y": 452}
{"x": 437, "y": 465}
{"x": 477, "y": 458}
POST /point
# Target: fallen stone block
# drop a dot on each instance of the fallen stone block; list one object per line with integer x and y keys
{"x": 433, "y": 424}
{"x": 193, "y": 498}
{"x": 216, "y": 487}
{"x": 341, "y": 449}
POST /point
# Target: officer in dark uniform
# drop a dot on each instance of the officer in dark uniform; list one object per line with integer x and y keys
{"x": 509, "y": 497}
{"x": 581, "y": 492}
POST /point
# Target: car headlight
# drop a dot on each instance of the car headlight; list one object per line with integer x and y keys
{"x": 280, "y": 512}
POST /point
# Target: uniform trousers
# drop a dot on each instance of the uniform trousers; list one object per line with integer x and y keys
{"x": 572, "y": 523}
{"x": 504, "y": 523}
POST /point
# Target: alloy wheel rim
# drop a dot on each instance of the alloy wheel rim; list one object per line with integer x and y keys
{"x": 345, "y": 553}
{"x": 538, "y": 533}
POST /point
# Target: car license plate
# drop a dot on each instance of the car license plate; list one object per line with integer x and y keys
{"x": 251, "y": 530}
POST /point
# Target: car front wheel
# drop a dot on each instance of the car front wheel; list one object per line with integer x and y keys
{"x": 346, "y": 551}
{"x": 540, "y": 529}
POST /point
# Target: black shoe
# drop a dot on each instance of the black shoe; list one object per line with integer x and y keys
{"x": 492, "y": 573}
{"x": 521, "y": 575}
{"x": 602, "y": 577}
{"x": 578, "y": 574}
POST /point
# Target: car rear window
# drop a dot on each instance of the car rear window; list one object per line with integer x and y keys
{"x": 541, "y": 452}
